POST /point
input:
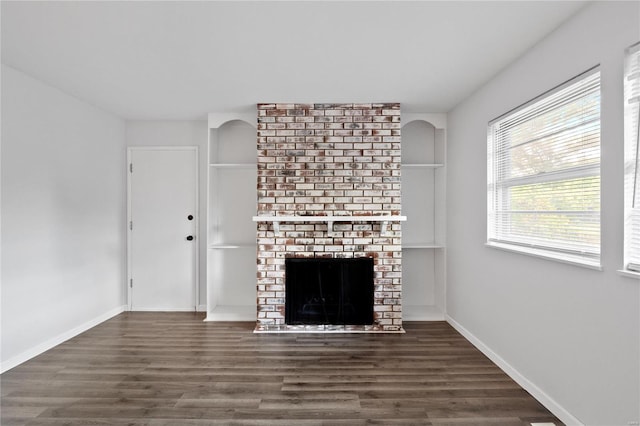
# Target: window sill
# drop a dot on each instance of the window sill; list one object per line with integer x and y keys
{"x": 567, "y": 259}
{"x": 630, "y": 274}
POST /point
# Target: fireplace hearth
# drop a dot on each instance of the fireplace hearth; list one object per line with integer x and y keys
{"x": 324, "y": 291}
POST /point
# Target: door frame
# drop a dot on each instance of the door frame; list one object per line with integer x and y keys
{"x": 196, "y": 263}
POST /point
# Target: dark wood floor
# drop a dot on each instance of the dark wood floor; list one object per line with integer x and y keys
{"x": 173, "y": 369}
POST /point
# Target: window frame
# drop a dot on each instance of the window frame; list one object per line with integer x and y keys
{"x": 631, "y": 261}
{"x": 498, "y": 184}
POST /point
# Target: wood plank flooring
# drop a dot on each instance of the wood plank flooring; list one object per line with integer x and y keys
{"x": 174, "y": 369}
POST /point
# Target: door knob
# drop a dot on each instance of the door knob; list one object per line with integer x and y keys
{"x": 189, "y": 237}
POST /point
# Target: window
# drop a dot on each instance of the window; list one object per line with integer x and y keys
{"x": 544, "y": 174}
{"x": 632, "y": 163}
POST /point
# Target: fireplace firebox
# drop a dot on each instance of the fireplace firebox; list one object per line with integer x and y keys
{"x": 329, "y": 291}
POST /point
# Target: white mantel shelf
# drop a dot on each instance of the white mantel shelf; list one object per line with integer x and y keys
{"x": 330, "y": 220}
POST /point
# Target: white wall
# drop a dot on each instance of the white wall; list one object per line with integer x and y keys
{"x": 571, "y": 332}
{"x": 180, "y": 133}
{"x": 63, "y": 210}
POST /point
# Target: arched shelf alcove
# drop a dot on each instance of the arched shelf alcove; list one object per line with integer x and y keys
{"x": 420, "y": 145}
{"x": 423, "y": 202}
{"x": 437, "y": 120}
{"x": 232, "y": 143}
{"x": 216, "y": 120}
{"x": 231, "y": 204}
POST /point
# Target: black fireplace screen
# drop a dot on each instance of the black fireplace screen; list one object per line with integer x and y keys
{"x": 329, "y": 291}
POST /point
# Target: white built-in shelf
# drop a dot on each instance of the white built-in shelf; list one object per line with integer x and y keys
{"x": 330, "y": 220}
{"x": 231, "y": 246}
{"x": 231, "y": 201}
{"x": 427, "y": 245}
{"x": 422, "y": 166}
{"x": 233, "y": 165}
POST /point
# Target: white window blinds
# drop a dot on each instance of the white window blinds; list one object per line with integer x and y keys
{"x": 544, "y": 173}
{"x": 632, "y": 163}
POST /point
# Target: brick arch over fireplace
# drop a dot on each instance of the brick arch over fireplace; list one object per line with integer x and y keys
{"x": 329, "y": 159}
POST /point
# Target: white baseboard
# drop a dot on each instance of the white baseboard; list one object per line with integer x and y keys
{"x": 199, "y": 308}
{"x": 559, "y": 411}
{"x": 161, "y": 309}
{"x": 37, "y": 350}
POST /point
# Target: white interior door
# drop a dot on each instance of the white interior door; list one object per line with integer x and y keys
{"x": 162, "y": 228}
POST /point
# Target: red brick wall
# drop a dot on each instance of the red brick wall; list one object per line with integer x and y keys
{"x": 329, "y": 159}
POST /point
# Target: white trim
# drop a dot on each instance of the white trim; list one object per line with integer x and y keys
{"x": 527, "y": 384}
{"x": 234, "y": 165}
{"x": 629, "y": 274}
{"x": 421, "y": 165}
{"x": 201, "y": 308}
{"x": 437, "y": 120}
{"x": 170, "y": 309}
{"x": 163, "y": 148}
{"x": 546, "y": 177}
{"x": 196, "y": 213}
{"x": 425, "y": 245}
{"x": 231, "y": 246}
{"x": 544, "y": 254}
{"x": 232, "y": 313}
{"x": 63, "y": 337}
{"x": 215, "y": 120}
{"x": 196, "y": 284}
{"x": 127, "y": 228}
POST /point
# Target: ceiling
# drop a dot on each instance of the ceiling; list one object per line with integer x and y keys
{"x": 181, "y": 60}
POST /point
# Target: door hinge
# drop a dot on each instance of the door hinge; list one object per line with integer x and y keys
{"x": 130, "y": 225}
{"x": 130, "y": 167}
{"x": 131, "y": 282}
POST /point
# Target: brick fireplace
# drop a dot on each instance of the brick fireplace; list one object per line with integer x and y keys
{"x": 329, "y": 160}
